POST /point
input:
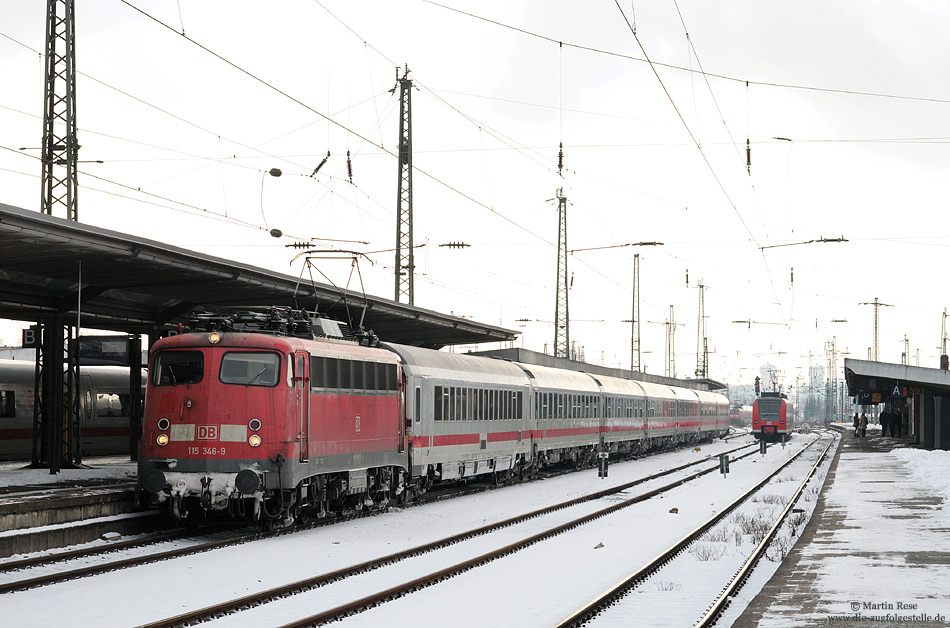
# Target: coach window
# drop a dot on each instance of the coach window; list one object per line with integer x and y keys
{"x": 174, "y": 368}
{"x": 417, "y": 405}
{"x": 7, "y": 404}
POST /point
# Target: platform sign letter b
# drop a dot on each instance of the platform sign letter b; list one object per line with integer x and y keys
{"x": 31, "y": 338}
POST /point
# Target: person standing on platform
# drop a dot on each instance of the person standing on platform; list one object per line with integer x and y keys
{"x": 864, "y": 424}
{"x": 885, "y": 420}
{"x": 857, "y": 424}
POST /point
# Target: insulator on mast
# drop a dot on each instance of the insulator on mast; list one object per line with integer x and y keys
{"x": 560, "y": 158}
{"x": 349, "y": 167}
{"x": 748, "y": 156}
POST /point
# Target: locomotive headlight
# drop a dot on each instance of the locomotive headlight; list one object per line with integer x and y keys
{"x": 254, "y": 440}
{"x": 254, "y": 424}
{"x": 162, "y": 439}
{"x": 214, "y": 338}
{"x": 163, "y": 424}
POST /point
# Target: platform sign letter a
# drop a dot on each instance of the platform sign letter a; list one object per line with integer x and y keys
{"x": 896, "y": 391}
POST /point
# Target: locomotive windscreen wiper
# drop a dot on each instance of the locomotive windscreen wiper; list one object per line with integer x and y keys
{"x": 254, "y": 379}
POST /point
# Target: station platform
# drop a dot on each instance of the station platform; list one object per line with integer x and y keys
{"x": 875, "y": 552}
{"x": 40, "y": 511}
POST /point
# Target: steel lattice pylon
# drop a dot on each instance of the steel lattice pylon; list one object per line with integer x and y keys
{"x": 405, "y": 264}
{"x": 60, "y": 147}
{"x": 702, "y": 355}
{"x": 635, "y": 317}
{"x": 562, "y": 327}
{"x": 669, "y": 368}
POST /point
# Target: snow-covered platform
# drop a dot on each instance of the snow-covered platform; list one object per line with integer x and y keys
{"x": 39, "y": 511}
{"x": 876, "y": 552}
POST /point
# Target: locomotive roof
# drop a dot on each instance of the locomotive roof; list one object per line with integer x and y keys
{"x": 136, "y": 285}
{"x": 327, "y": 347}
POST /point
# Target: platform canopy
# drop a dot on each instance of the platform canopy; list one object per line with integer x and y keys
{"x": 135, "y": 285}
{"x": 874, "y": 382}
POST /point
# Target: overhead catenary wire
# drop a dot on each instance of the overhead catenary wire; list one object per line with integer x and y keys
{"x": 709, "y": 165}
{"x": 326, "y": 117}
{"x": 673, "y": 66}
{"x": 348, "y": 130}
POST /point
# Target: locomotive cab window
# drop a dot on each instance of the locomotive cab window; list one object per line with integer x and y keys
{"x": 175, "y": 368}
{"x": 250, "y": 368}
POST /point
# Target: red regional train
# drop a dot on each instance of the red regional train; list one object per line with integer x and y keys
{"x": 270, "y": 420}
{"x": 773, "y": 417}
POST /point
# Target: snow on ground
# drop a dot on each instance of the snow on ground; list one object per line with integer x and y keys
{"x": 17, "y": 473}
{"x": 134, "y": 597}
{"x": 545, "y": 583}
{"x": 931, "y": 469}
{"x": 881, "y": 555}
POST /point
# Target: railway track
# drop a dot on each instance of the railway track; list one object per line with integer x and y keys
{"x": 382, "y": 594}
{"x": 614, "y": 606}
{"x": 40, "y": 570}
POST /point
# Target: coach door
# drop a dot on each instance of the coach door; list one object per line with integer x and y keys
{"x": 302, "y": 401}
{"x": 89, "y": 413}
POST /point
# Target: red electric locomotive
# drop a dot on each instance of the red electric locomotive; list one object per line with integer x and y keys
{"x": 773, "y": 417}
{"x": 216, "y": 432}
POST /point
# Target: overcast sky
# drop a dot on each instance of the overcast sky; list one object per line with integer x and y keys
{"x": 845, "y": 108}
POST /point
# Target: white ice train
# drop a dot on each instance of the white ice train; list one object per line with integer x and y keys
{"x": 104, "y": 402}
{"x": 472, "y": 415}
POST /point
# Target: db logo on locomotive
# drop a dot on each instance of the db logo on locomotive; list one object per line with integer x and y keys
{"x": 207, "y": 432}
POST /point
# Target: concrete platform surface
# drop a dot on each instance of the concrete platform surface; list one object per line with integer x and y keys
{"x": 877, "y": 550}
